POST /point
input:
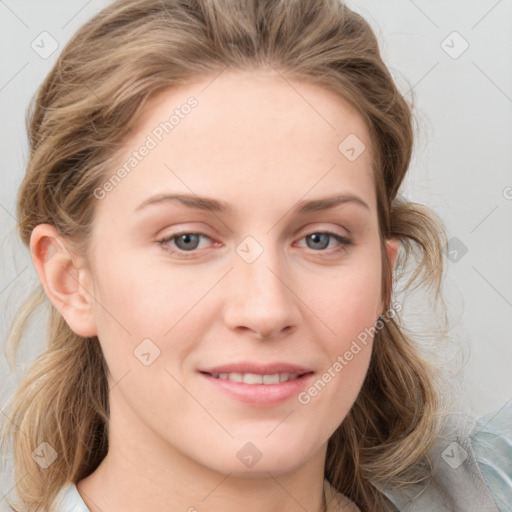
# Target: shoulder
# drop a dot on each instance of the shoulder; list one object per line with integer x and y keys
{"x": 471, "y": 468}
{"x": 491, "y": 441}
{"x": 69, "y": 500}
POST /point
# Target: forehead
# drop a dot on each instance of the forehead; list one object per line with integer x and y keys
{"x": 244, "y": 135}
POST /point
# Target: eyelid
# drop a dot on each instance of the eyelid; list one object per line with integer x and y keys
{"x": 344, "y": 241}
{"x": 307, "y": 230}
{"x": 163, "y": 241}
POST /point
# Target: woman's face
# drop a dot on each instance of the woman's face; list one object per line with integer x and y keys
{"x": 186, "y": 289}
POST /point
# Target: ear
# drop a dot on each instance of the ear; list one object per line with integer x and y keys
{"x": 66, "y": 284}
{"x": 392, "y": 248}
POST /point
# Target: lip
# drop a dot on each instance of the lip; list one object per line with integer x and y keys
{"x": 259, "y": 394}
{"x": 259, "y": 369}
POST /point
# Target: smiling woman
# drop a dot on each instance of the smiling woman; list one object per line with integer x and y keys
{"x": 221, "y": 321}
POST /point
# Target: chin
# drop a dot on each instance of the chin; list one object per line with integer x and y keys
{"x": 254, "y": 459}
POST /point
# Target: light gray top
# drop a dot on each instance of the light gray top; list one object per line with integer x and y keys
{"x": 472, "y": 471}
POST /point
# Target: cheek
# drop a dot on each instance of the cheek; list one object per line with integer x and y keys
{"x": 141, "y": 297}
{"x": 137, "y": 302}
{"x": 351, "y": 303}
{"x": 350, "y": 311}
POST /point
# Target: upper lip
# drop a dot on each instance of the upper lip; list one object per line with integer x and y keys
{"x": 258, "y": 369}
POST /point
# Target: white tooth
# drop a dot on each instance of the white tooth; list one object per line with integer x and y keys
{"x": 271, "y": 379}
{"x": 253, "y": 378}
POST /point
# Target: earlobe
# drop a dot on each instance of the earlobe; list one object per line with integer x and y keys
{"x": 62, "y": 280}
{"x": 392, "y": 247}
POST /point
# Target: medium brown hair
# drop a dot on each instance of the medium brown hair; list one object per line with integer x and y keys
{"x": 84, "y": 111}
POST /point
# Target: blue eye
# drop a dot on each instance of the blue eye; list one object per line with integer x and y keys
{"x": 187, "y": 242}
{"x": 320, "y": 237}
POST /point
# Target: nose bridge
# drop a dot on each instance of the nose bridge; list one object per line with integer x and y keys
{"x": 263, "y": 300}
{"x": 259, "y": 265}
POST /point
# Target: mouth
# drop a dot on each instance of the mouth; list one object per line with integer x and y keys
{"x": 256, "y": 378}
{"x": 262, "y": 385}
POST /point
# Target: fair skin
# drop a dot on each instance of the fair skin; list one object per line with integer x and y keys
{"x": 255, "y": 143}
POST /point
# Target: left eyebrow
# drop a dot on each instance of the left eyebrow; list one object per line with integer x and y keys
{"x": 218, "y": 206}
{"x": 326, "y": 203}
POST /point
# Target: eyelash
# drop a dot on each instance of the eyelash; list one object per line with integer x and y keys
{"x": 344, "y": 241}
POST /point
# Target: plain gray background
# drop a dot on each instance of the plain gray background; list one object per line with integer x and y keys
{"x": 456, "y": 57}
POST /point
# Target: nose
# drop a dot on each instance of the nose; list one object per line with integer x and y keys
{"x": 261, "y": 299}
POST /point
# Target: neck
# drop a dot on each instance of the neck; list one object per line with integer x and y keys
{"x": 133, "y": 478}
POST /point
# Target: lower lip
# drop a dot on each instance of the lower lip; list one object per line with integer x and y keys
{"x": 264, "y": 394}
